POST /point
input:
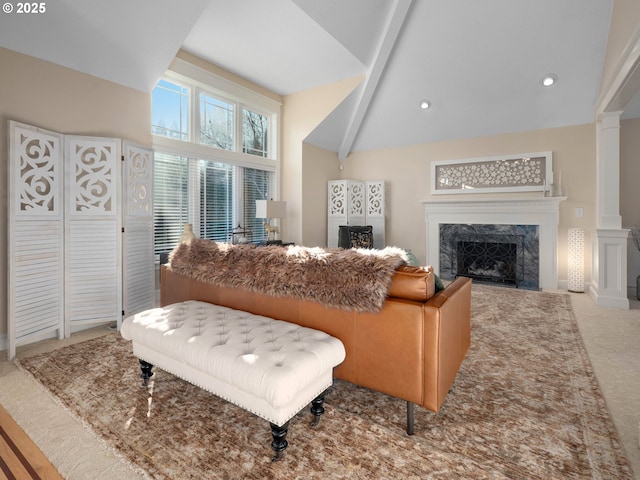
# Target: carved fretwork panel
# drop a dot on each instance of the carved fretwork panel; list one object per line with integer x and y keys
{"x": 92, "y": 176}
{"x": 337, "y": 199}
{"x": 39, "y": 172}
{"x": 375, "y": 199}
{"x": 138, "y": 172}
{"x": 356, "y": 199}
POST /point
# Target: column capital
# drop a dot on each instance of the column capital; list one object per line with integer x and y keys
{"x": 610, "y": 119}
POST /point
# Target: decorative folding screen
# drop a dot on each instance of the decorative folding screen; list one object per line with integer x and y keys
{"x": 35, "y": 234}
{"x": 67, "y": 263}
{"x": 376, "y": 211}
{"x": 138, "y": 273}
{"x": 93, "y": 252}
{"x": 346, "y": 207}
{"x": 354, "y": 203}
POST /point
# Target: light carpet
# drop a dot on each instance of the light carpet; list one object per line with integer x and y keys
{"x": 525, "y": 405}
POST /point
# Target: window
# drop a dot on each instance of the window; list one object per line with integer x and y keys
{"x": 170, "y": 110}
{"x": 185, "y": 188}
{"x": 216, "y": 122}
{"x": 255, "y": 133}
{"x": 213, "y": 159}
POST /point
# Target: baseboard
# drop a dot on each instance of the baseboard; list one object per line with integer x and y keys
{"x": 564, "y": 285}
{"x": 604, "y": 301}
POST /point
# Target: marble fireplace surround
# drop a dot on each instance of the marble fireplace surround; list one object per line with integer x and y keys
{"x": 541, "y": 211}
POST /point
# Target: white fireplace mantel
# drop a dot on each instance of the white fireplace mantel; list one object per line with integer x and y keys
{"x": 541, "y": 211}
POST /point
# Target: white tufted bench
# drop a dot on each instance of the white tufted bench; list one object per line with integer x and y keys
{"x": 268, "y": 367}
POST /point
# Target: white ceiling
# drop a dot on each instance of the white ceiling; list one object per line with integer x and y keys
{"x": 479, "y": 62}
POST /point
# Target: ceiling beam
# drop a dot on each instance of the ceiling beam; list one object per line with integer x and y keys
{"x": 381, "y": 58}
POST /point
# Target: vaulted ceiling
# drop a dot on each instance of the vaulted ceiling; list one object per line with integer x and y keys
{"x": 478, "y": 63}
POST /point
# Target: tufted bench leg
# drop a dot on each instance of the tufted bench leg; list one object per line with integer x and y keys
{"x": 279, "y": 442}
{"x": 279, "y": 434}
{"x": 146, "y": 374}
{"x": 317, "y": 409}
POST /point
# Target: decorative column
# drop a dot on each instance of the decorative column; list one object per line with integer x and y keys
{"x": 609, "y": 263}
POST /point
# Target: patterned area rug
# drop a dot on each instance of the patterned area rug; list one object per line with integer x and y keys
{"x": 525, "y": 405}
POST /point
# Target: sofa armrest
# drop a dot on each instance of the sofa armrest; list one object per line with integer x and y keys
{"x": 447, "y": 339}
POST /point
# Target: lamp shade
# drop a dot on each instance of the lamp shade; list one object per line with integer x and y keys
{"x": 270, "y": 209}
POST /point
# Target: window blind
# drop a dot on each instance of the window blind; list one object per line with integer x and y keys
{"x": 216, "y": 200}
{"x": 171, "y": 200}
{"x": 256, "y": 186}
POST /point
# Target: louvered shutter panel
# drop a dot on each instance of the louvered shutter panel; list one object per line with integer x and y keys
{"x": 35, "y": 234}
{"x": 138, "y": 266}
{"x": 93, "y": 253}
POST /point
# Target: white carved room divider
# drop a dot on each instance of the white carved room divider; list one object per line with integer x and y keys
{"x": 356, "y": 202}
{"x": 138, "y": 272}
{"x": 93, "y": 249}
{"x": 68, "y": 264}
{"x": 35, "y": 300}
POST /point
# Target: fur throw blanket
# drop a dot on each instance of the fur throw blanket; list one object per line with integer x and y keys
{"x": 355, "y": 279}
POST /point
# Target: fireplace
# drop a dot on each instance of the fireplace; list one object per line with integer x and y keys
{"x": 484, "y": 259}
{"x": 534, "y": 217}
{"x": 501, "y": 254}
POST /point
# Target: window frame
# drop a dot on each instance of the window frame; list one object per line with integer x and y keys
{"x": 198, "y": 81}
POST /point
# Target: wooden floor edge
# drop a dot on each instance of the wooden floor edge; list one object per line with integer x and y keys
{"x": 19, "y": 455}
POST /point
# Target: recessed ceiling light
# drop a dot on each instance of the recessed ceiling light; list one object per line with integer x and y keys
{"x": 424, "y": 104}
{"x": 549, "y": 80}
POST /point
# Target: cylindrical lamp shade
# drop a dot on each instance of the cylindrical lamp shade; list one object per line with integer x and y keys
{"x": 576, "y": 260}
{"x": 271, "y": 209}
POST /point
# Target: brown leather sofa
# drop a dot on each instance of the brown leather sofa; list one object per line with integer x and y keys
{"x": 412, "y": 349}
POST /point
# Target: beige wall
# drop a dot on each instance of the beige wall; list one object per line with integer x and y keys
{"x": 56, "y": 98}
{"x": 319, "y": 166}
{"x": 629, "y": 190}
{"x": 625, "y": 19}
{"x": 630, "y": 172}
{"x": 407, "y": 173}
{"x": 301, "y": 114}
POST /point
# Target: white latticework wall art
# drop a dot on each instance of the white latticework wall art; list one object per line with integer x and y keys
{"x": 507, "y": 173}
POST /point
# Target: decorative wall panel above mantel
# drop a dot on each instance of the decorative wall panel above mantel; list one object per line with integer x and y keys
{"x": 523, "y": 172}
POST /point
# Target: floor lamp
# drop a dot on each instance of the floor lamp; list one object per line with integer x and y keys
{"x": 576, "y": 260}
